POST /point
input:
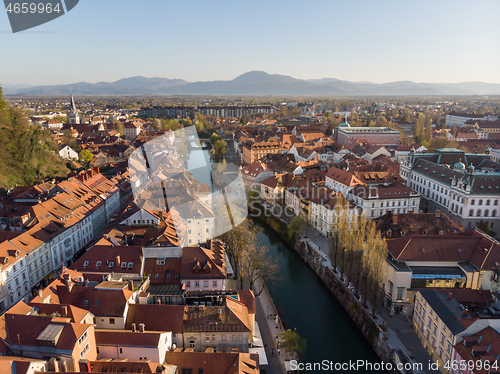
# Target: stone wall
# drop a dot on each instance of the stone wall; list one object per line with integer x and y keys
{"x": 350, "y": 303}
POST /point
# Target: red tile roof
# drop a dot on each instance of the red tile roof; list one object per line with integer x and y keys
{"x": 214, "y": 363}
{"x": 172, "y": 317}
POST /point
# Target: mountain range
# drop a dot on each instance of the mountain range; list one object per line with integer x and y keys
{"x": 255, "y": 83}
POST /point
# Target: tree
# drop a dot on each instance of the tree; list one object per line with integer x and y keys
{"x": 238, "y": 242}
{"x": 156, "y": 123}
{"x": 376, "y": 254}
{"x": 257, "y": 265}
{"x": 85, "y": 155}
{"x": 485, "y": 227}
{"x": 219, "y": 148}
{"x": 293, "y": 342}
{"x": 295, "y": 229}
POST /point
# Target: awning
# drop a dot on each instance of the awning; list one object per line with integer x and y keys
{"x": 262, "y": 354}
{"x": 50, "y": 276}
{"x": 258, "y": 345}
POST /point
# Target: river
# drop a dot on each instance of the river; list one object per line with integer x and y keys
{"x": 302, "y": 300}
{"x": 305, "y": 303}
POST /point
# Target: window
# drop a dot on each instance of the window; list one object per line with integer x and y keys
{"x": 213, "y": 337}
{"x": 480, "y": 202}
{"x": 471, "y": 213}
{"x": 188, "y": 284}
{"x": 191, "y": 344}
{"x": 157, "y": 276}
{"x": 487, "y": 202}
{"x": 160, "y": 261}
{"x": 111, "y": 264}
{"x": 473, "y": 202}
{"x": 207, "y": 338}
{"x": 112, "y": 322}
{"x": 201, "y": 371}
{"x": 223, "y": 338}
{"x": 98, "y": 264}
{"x": 124, "y": 265}
{"x": 85, "y": 303}
{"x": 85, "y": 264}
{"x": 478, "y": 214}
{"x": 97, "y": 350}
{"x": 85, "y": 350}
{"x": 214, "y": 283}
{"x": 176, "y": 275}
{"x": 82, "y": 338}
{"x": 96, "y": 303}
{"x": 130, "y": 265}
{"x": 121, "y": 350}
{"x": 400, "y": 293}
{"x": 205, "y": 284}
{"x": 187, "y": 370}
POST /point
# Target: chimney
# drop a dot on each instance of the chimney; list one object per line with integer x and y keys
{"x": 395, "y": 219}
{"x": 133, "y": 327}
{"x": 84, "y": 366}
{"x": 54, "y": 365}
{"x": 69, "y": 287}
{"x": 63, "y": 367}
{"x": 464, "y": 312}
{"x": 40, "y": 293}
{"x": 64, "y": 310}
{"x": 450, "y": 295}
{"x": 158, "y": 301}
{"x": 438, "y": 213}
{"x": 118, "y": 261}
{"x": 131, "y": 285}
{"x": 142, "y": 327}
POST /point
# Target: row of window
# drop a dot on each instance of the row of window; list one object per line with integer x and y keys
{"x": 197, "y": 284}
{"x": 124, "y": 265}
{"x": 486, "y": 213}
{"x": 169, "y": 276}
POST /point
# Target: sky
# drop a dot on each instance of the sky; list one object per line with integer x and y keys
{"x": 203, "y": 40}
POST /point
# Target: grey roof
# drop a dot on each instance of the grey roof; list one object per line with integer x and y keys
{"x": 438, "y": 270}
{"x": 449, "y": 311}
{"x": 165, "y": 289}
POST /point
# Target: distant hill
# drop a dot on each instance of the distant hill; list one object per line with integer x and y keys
{"x": 260, "y": 83}
{"x": 126, "y": 86}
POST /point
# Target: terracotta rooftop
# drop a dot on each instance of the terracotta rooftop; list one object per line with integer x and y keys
{"x": 394, "y": 225}
{"x": 214, "y": 363}
{"x": 172, "y": 317}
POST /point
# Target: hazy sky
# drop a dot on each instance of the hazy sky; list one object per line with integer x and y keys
{"x": 379, "y": 41}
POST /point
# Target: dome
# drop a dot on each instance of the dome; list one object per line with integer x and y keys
{"x": 459, "y": 165}
{"x": 344, "y": 124}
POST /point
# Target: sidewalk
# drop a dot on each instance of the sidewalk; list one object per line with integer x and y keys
{"x": 269, "y": 329}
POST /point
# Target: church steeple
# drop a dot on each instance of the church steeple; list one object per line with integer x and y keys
{"x": 73, "y": 117}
